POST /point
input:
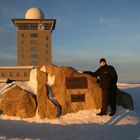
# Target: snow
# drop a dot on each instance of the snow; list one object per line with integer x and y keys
{"x": 32, "y": 83}
{"x": 83, "y": 125}
{"x": 51, "y": 78}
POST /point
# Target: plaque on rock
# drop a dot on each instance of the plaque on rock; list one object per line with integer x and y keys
{"x": 76, "y": 83}
{"x": 78, "y": 98}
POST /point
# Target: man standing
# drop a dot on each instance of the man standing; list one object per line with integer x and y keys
{"x": 107, "y": 77}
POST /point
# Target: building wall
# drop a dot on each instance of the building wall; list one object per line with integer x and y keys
{"x": 34, "y": 45}
{"x": 34, "y": 50}
{"x": 15, "y": 73}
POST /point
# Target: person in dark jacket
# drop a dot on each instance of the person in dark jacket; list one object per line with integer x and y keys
{"x": 107, "y": 77}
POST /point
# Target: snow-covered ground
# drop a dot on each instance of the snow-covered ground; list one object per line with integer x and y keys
{"x": 83, "y": 125}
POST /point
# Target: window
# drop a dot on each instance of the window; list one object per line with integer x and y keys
{"x": 22, "y": 42}
{"x": 22, "y": 35}
{"x": 25, "y": 74}
{"x": 34, "y": 48}
{"x": 18, "y": 74}
{"x": 47, "y": 52}
{"x": 46, "y": 45}
{"x": 3, "y": 74}
{"x": 22, "y": 55}
{"x": 34, "y": 35}
{"x": 27, "y": 26}
{"x": 34, "y": 55}
{"x": 47, "y": 26}
{"x": 11, "y": 74}
{"x": 34, "y": 63}
{"x": 47, "y": 59}
{"x": 22, "y": 63}
{"x": 46, "y": 37}
{"x": 33, "y": 26}
{"x": 34, "y": 42}
{"x": 23, "y": 26}
{"x": 22, "y": 48}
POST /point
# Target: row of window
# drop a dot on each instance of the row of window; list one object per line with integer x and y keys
{"x": 27, "y": 26}
{"x": 33, "y": 55}
{"x": 33, "y": 35}
{"x": 33, "y": 48}
{"x": 34, "y": 41}
{"x": 11, "y": 74}
{"x": 33, "y": 26}
{"x": 35, "y": 62}
{"x": 31, "y": 41}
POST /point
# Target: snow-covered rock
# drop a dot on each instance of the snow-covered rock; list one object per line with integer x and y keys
{"x": 18, "y": 102}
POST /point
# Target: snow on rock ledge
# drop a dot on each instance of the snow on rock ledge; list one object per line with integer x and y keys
{"x": 18, "y": 102}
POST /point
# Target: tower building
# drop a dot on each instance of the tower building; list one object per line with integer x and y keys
{"x": 34, "y": 43}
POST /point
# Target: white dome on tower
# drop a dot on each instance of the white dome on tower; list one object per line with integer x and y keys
{"x": 34, "y": 13}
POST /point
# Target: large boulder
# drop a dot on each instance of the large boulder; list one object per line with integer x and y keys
{"x": 46, "y": 108}
{"x": 71, "y": 95}
{"x": 18, "y": 102}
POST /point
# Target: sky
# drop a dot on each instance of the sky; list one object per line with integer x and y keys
{"x": 86, "y": 30}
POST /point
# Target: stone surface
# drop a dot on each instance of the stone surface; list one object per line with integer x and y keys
{"x": 46, "y": 108}
{"x": 63, "y": 95}
{"x": 18, "y": 102}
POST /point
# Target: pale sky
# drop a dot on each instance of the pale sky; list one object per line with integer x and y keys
{"x": 86, "y": 30}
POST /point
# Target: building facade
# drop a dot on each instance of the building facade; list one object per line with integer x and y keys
{"x": 34, "y": 42}
{"x": 18, "y": 73}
